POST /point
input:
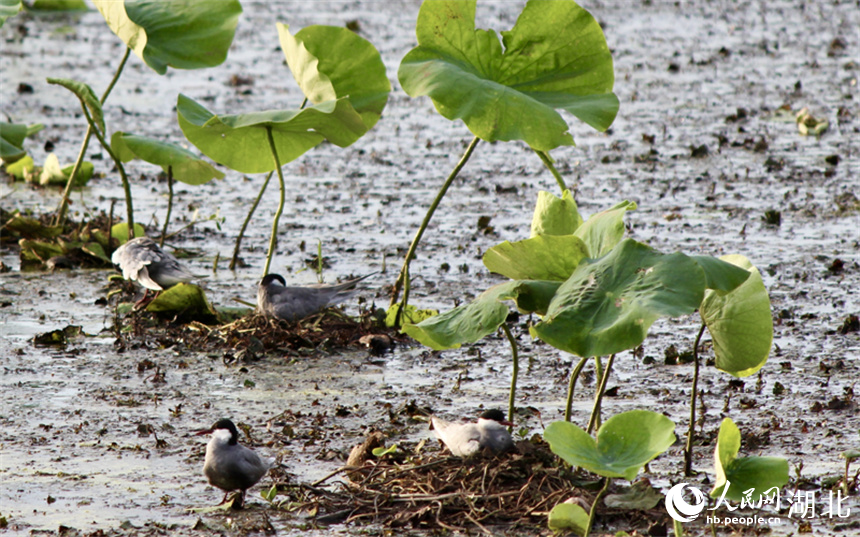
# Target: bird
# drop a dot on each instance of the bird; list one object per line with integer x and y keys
{"x": 467, "y": 439}
{"x": 290, "y": 303}
{"x": 143, "y": 261}
{"x": 229, "y": 465}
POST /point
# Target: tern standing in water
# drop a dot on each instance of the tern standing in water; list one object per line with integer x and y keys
{"x": 143, "y": 261}
{"x": 466, "y": 439}
{"x": 276, "y": 299}
{"x": 229, "y": 465}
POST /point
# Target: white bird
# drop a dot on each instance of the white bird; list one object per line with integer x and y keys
{"x": 143, "y": 261}
{"x": 466, "y": 439}
{"x": 276, "y": 299}
{"x": 229, "y": 465}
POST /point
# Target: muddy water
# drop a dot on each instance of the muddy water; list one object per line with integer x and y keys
{"x": 72, "y": 451}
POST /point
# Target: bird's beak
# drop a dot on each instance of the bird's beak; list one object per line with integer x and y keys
{"x": 204, "y": 431}
{"x": 506, "y": 423}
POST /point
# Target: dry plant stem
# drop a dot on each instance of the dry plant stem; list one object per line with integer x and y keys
{"x": 235, "y": 258}
{"x": 64, "y": 201}
{"x": 280, "y": 210}
{"x": 688, "y": 450}
{"x": 412, "y": 247}
{"x": 516, "y": 371}
{"x": 594, "y": 421}
{"x": 571, "y": 385}
{"x": 169, "y": 203}
{"x": 120, "y": 168}
{"x": 547, "y": 161}
{"x": 597, "y": 499}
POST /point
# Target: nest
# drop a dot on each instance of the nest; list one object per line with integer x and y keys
{"x": 515, "y": 489}
{"x": 257, "y": 334}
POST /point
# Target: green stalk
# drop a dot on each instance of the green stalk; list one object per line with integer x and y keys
{"x": 64, "y": 201}
{"x": 571, "y": 385}
{"x": 280, "y": 210}
{"x": 247, "y": 220}
{"x": 594, "y": 421}
{"x": 688, "y": 450}
{"x": 120, "y": 168}
{"x": 547, "y": 161}
{"x": 593, "y": 511}
{"x": 404, "y": 271}
{"x": 514, "y": 374}
{"x": 169, "y": 203}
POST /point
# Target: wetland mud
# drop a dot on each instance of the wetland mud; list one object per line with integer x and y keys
{"x": 93, "y": 440}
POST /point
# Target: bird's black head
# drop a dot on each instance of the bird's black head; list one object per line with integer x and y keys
{"x": 269, "y": 278}
{"x": 496, "y": 415}
{"x": 228, "y": 425}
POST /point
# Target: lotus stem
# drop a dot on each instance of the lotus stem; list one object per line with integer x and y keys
{"x": 235, "y": 258}
{"x": 594, "y": 421}
{"x": 593, "y": 511}
{"x": 169, "y": 203}
{"x": 688, "y": 449}
{"x": 571, "y": 385}
{"x": 280, "y": 210}
{"x": 404, "y": 271}
{"x": 120, "y": 168}
{"x": 515, "y": 373}
{"x": 64, "y": 201}
{"x": 547, "y": 161}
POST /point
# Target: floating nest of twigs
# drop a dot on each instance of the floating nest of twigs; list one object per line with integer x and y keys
{"x": 433, "y": 492}
{"x": 256, "y": 335}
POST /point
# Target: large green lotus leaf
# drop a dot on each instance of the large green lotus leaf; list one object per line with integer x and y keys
{"x": 554, "y": 215}
{"x": 9, "y": 8}
{"x": 739, "y": 322}
{"x": 185, "y": 164}
{"x": 87, "y": 96}
{"x": 184, "y": 300}
{"x": 749, "y": 477}
{"x": 331, "y": 61}
{"x": 183, "y": 34}
{"x": 555, "y": 57}
{"x": 544, "y": 257}
{"x": 721, "y": 275}
{"x": 568, "y": 517}
{"x": 240, "y": 141}
{"x": 624, "y": 444}
{"x": 602, "y": 231}
{"x": 608, "y": 304}
{"x": 483, "y": 316}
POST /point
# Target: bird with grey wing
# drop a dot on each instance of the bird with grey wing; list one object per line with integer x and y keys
{"x": 467, "y": 439}
{"x": 143, "y": 261}
{"x": 229, "y": 465}
{"x": 276, "y": 299}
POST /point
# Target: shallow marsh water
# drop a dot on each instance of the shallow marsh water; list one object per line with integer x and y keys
{"x": 71, "y": 452}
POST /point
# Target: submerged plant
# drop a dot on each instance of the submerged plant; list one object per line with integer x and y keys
{"x": 343, "y": 79}
{"x": 554, "y": 58}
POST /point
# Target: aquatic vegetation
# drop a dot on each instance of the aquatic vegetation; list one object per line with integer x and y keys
{"x": 343, "y": 79}
{"x": 555, "y": 57}
{"x": 190, "y": 35}
{"x": 624, "y": 444}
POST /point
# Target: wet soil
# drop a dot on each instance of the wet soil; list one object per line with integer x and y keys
{"x": 93, "y": 442}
